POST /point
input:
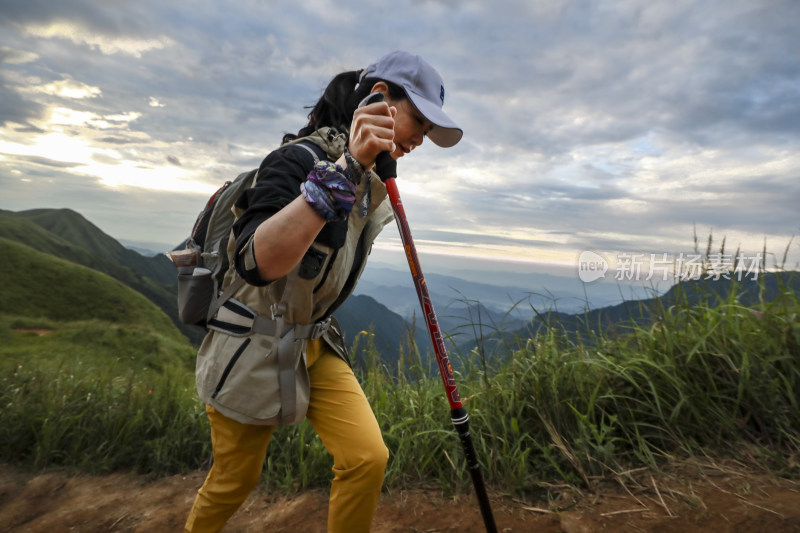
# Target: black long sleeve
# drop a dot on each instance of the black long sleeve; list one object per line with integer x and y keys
{"x": 278, "y": 184}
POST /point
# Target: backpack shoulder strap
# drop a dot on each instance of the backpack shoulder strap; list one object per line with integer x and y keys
{"x": 218, "y": 300}
{"x": 311, "y": 146}
{"x": 238, "y": 282}
{"x": 310, "y": 150}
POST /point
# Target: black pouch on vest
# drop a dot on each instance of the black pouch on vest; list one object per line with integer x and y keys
{"x": 311, "y": 264}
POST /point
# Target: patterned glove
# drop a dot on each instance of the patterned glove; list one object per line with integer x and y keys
{"x": 328, "y": 191}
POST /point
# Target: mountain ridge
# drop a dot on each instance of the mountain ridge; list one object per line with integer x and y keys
{"x": 470, "y": 314}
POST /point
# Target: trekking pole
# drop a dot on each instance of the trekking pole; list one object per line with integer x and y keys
{"x": 386, "y": 168}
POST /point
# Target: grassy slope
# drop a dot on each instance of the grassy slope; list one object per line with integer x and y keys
{"x": 67, "y": 235}
{"x": 107, "y": 386}
{"x": 40, "y": 284}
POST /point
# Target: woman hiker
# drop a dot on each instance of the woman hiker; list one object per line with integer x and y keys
{"x": 302, "y": 235}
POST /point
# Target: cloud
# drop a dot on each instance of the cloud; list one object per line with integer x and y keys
{"x": 16, "y": 57}
{"x": 115, "y": 140}
{"x": 14, "y": 108}
{"x": 587, "y": 125}
{"x": 107, "y": 44}
{"x": 67, "y": 88}
{"x": 39, "y": 160}
{"x": 121, "y": 28}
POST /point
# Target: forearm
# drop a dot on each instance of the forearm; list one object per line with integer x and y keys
{"x": 281, "y": 241}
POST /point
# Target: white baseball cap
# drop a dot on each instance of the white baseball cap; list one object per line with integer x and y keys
{"x": 423, "y": 86}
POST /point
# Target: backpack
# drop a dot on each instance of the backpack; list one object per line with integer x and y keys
{"x": 203, "y": 262}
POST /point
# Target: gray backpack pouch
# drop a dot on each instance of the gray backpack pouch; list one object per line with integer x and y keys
{"x": 195, "y": 292}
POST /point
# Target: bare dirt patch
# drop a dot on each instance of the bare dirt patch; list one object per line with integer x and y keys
{"x": 39, "y": 332}
{"x": 721, "y": 501}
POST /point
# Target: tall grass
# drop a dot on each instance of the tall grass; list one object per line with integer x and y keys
{"x": 714, "y": 378}
{"x": 98, "y": 397}
{"x": 97, "y": 421}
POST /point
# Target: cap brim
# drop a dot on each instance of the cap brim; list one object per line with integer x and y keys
{"x": 445, "y": 132}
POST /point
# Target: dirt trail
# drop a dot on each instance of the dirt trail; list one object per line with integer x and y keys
{"x": 724, "y": 502}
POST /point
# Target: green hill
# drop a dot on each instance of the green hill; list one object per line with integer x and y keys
{"x": 37, "y": 284}
{"x": 67, "y": 235}
{"x": 74, "y": 228}
{"x": 92, "y": 373}
{"x": 361, "y": 313}
{"x": 91, "y": 318}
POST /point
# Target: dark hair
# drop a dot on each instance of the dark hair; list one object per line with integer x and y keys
{"x": 338, "y": 102}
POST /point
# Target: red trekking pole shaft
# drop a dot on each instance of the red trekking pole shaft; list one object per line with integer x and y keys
{"x": 445, "y": 369}
{"x": 387, "y": 170}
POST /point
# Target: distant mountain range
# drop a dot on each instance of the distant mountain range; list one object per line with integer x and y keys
{"x": 468, "y": 311}
{"x": 385, "y": 307}
{"x": 497, "y": 291}
{"x": 618, "y": 319}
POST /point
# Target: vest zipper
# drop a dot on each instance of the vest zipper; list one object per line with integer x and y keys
{"x": 229, "y": 367}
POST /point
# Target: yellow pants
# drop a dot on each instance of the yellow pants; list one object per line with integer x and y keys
{"x": 341, "y": 416}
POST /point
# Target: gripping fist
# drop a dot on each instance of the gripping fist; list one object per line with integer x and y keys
{"x": 372, "y": 132}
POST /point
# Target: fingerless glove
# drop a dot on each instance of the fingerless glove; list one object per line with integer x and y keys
{"x": 328, "y": 191}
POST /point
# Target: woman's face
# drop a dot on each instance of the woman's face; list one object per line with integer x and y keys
{"x": 410, "y": 127}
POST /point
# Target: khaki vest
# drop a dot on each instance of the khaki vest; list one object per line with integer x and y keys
{"x": 255, "y": 373}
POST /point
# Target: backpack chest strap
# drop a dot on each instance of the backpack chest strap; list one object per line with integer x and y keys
{"x": 271, "y": 326}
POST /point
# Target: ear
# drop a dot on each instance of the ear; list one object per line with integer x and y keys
{"x": 380, "y": 87}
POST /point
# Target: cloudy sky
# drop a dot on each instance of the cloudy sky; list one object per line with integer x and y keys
{"x": 615, "y": 127}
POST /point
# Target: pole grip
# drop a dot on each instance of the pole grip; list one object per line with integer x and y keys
{"x": 385, "y": 166}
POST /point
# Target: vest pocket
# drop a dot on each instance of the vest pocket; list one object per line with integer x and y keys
{"x": 229, "y": 367}
{"x": 312, "y": 263}
{"x": 241, "y": 378}
{"x": 233, "y": 318}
